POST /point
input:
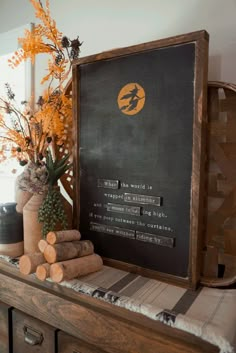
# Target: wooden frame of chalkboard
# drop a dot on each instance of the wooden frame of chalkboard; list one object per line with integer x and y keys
{"x": 139, "y": 155}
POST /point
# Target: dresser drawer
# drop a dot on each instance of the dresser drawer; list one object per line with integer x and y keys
{"x": 70, "y": 344}
{"x": 30, "y": 335}
{"x": 4, "y": 328}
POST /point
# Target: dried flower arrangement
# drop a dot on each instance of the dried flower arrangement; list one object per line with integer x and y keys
{"x": 26, "y": 131}
{"x": 29, "y": 133}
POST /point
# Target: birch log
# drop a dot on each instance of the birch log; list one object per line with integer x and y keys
{"x": 62, "y": 236}
{"x": 28, "y": 263}
{"x": 70, "y": 269}
{"x": 68, "y": 250}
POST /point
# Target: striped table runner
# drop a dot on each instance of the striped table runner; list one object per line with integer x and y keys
{"x": 208, "y": 313}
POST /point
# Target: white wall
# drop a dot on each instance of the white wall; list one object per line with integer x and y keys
{"x": 107, "y": 24}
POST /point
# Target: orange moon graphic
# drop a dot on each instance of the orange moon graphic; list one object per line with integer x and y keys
{"x": 131, "y": 98}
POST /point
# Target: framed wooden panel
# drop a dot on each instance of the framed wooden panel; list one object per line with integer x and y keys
{"x": 139, "y": 152}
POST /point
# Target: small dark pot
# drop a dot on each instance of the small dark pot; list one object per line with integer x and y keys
{"x": 11, "y": 230}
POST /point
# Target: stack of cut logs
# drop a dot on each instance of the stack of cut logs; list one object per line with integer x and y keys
{"x": 62, "y": 256}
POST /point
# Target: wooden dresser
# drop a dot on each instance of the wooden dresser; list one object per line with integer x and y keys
{"x": 47, "y": 318}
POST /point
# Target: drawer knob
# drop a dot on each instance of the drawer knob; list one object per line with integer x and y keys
{"x": 32, "y": 337}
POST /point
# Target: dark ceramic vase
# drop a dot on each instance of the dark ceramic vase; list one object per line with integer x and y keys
{"x": 11, "y": 230}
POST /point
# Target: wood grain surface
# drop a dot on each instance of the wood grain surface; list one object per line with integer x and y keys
{"x": 4, "y": 331}
{"x": 109, "y": 328}
{"x": 69, "y": 344}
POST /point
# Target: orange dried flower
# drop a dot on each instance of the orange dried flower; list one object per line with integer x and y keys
{"x": 27, "y": 132}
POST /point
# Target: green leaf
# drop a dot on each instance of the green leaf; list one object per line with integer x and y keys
{"x": 59, "y": 162}
{"x": 56, "y": 168}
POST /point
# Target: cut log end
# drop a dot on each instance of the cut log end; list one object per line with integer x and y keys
{"x": 56, "y": 272}
{"x": 42, "y": 244}
{"x": 50, "y": 254}
{"x": 25, "y": 265}
{"x": 43, "y": 271}
{"x": 28, "y": 263}
{"x": 51, "y": 238}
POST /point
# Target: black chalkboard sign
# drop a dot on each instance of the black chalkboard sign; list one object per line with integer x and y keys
{"x": 139, "y": 120}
